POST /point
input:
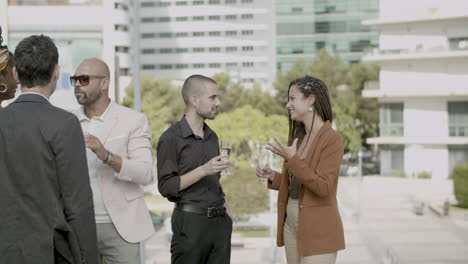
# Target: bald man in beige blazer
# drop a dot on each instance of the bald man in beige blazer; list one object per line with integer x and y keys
{"x": 118, "y": 143}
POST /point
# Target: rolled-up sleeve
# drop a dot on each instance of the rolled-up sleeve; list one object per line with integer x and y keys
{"x": 168, "y": 174}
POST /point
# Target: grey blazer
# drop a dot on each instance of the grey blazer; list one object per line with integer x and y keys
{"x": 46, "y": 204}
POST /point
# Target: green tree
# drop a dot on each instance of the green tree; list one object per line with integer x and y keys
{"x": 246, "y": 126}
{"x": 161, "y": 103}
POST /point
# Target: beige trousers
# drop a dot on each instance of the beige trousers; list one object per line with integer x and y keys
{"x": 289, "y": 232}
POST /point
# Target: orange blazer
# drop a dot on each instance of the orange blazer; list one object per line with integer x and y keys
{"x": 320, "y": 229}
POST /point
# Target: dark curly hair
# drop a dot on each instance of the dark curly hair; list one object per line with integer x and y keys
{"x": 309, "y": 85}
{"x": 1, "y": 40}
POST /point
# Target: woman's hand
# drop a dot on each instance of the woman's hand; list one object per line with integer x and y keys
{"x": 265, "y": 173}
{"x": 283, "y": 150}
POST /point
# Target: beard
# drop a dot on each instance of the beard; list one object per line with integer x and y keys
{"x": 210, "y": 115}
{"x": 88, "y": 98}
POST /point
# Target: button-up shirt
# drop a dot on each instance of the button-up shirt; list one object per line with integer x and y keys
{"x": 93, "y": 126}
{"x": 179, "y": 152}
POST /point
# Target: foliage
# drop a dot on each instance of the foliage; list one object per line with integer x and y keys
{"x": 244, "y": 127}
{"x": 460, "y": 184}
{"x": 424, "y": 175}
{"x": 161, "y": 103}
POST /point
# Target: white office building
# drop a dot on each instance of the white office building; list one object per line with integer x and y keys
{"x": 180, "y": 38}
{"x": 423, "y": 89}
{"x": 81, "y": 29}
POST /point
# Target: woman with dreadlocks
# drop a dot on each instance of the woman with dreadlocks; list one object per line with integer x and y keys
{"x": 309, "y": 224}
{"x": 8, "y": 83}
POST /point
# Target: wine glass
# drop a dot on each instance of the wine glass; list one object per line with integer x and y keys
{"x": 263, "y": 159}
{"x": 226, "y": 146}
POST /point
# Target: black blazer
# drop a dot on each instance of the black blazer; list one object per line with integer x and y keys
{"x": 46, "y": 203}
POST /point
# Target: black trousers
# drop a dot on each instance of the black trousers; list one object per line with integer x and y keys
{"x": 199, "y": 239}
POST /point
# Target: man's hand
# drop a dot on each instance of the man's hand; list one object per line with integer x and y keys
{"x": 95, "y": 145}
{"x": 215, "y": 165}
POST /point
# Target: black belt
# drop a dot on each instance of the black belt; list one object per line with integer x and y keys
{"x": 210, "y": 211}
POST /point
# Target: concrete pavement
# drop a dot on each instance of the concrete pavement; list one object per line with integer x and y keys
{"x": 380, "y": 227}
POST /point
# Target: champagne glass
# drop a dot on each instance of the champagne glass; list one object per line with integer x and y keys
{"x": 226, "y": 146}
{"x": 263, "y": 159}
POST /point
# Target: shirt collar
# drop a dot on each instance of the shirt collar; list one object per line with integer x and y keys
{"x": 187, "y": 130}
{"x": 47, "y": 98}
{"x": 82, "y": 115}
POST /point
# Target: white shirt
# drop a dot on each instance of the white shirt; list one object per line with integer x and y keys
{"x": 93, "y": 126}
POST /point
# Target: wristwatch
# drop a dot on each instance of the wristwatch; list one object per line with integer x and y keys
{"x": 109, "y": 159}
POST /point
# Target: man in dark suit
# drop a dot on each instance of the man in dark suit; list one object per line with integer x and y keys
{"x": 46, "y": 204}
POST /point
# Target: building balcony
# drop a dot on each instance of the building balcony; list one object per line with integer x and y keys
{"x": 372, "y": 90}
{"x": 390, "y": 140}
{"x": 418, "y": 53}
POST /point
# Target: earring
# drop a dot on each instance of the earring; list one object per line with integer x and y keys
{"x": 3, "y": 90}
{"x": 311, "y": 108}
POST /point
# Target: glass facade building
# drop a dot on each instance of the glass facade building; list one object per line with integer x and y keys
{"x": 303, "y": 27}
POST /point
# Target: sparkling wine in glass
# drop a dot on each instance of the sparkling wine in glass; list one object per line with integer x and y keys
{"x": 226, "y": 146}
{"x": 262, "y": 160}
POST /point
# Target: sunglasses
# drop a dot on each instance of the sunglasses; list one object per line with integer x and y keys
{"x": 84, "y": 79}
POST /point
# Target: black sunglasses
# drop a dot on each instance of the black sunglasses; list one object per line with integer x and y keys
{"x": 84, "y": 79}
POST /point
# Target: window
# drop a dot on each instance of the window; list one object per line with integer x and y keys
{"x": 181, "y": 18}
{"x": 231, "y": 33}
{"x": 247, "y": 32}
{"x": 121, "y": 49}
{"x": 198, "y": 34}
{"x": 124, "y": 71}
{"x": 198, "y": 49}
{"x": 247, "y": 64}
{"x": 231, "y": 49}
{"x": 148, "y": 4}
{"x": 198, "y": 18}
{"x": 214, "y": 65}
{"x": 457, "y": 154}
{"x": 165, "y": 50}
{"x": 181, "y": 66}
{"x": 391, "y": 159}
{"x": 123, "y": 28}
{"x": 231, "y": 65}
{"x": 163, "y": 19}
{"x": 391, "y": 119}
{"x": 165, "y": 66}
{"x": 230, "y": 1}
{"x": 247, "y": 16}
{"x": 165, "y": 35}
{"x": 120, "y": 6}
{"x": 214, "y": 33}
{"x": 297, "y": 9}
{"x": 199, "y": 65}
{"x": 181, "y": 3}
{"x": 148, "y": 51}
{"x": 182, "y": 50}
{"x": 458, "y": 119}
{"x": 148, "y": 19}
{"x": 230, "y": 17}
{"x": 214, "y": 17}
{"x": 148, "y": 35}
{"x": 214, "y": 49}
{"x": 181, "y": 34}
{"x": 198, "y": 2}
{"x": 247, "y": 48}
{"x": 148, "y": 66}
{"x": 214, "y": 2}
{"x": 247, "y": 1}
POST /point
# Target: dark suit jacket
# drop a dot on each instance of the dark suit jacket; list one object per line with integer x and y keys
{"x": 46, "y": 204}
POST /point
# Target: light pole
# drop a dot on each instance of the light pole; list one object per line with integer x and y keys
{"x": 136, "y": 56}
{"x": 358, "y": 210}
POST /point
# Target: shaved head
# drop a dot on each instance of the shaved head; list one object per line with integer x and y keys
{"x": 95, "y": 66}
{"x": 195, "y": 85}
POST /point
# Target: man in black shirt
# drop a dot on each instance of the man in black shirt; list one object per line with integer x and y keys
{"x": 189, "y": 167}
